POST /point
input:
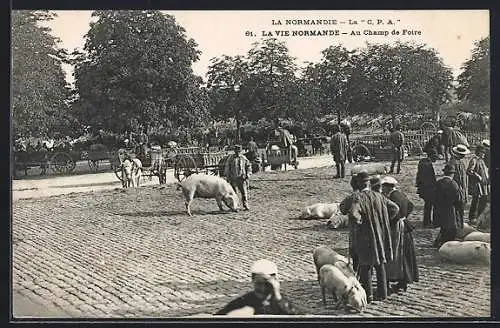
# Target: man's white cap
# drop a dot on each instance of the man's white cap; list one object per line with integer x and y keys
{"x": 485, "y": 143}
{"x": 440, "y": 131}
{"x": 264, "y": 267}
{"x": 126, "y": 140}
{"x": 389, "y": 180}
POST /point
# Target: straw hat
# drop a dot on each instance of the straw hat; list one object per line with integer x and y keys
{"x": 461, "y": 150}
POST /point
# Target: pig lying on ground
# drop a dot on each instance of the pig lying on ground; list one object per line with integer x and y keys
{"x": 320, "y": 211}
{"x": 467, "y": 229}
{"x": 478, "y": 236}
{"x": 337, "y": 221}
{"x": 371, "y": 169}
{"x": 343, "y": 288}
{"x": 131, "y": 172}
{"x": 209, "y": 186}
{"x": 466, "y": 252}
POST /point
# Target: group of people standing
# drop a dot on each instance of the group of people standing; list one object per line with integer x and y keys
{"x": 445, "y": 199}
{"x": 380, "y": 235}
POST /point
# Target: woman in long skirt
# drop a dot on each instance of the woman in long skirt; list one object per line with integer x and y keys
{"x": 403, "y": 269}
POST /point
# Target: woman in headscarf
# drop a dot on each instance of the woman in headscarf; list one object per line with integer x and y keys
{"x": 403, "y": 268}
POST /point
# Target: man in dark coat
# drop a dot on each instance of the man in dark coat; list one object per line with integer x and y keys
{"x": 434, "y": 143}
{"x": 372, "y": 212}
{"x": 266, "y": 298}
{"x": 480, "y": 184}
{"x": 345, "y": 208}
{"x": 397, "y": 141}
{"x": 345, "y": 125}
{"x": 403, "y": 269}
{"x": 458, "y": 160}
{"x": 425, "y": 183}
{"x": 447, "y": 204}
{"x": 338, "y": 147}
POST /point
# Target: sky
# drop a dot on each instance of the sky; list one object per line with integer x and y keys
{"x": 451, "y": 32}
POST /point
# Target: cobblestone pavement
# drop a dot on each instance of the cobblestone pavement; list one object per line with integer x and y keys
{"x": 135, "y": 253}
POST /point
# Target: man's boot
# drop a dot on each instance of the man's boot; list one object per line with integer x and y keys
{"x": 392, "y": 167}
{"x": 338, "y": 170}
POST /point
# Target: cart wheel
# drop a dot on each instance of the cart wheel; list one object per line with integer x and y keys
{"x": 184, "y": 167}
{"x": 360, "y": 151}
{"x": 62, "y": 163}
{"x": 118, "y": 172}
{"x": 94, "y": 165}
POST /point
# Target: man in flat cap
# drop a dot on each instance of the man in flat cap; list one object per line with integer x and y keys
{"x": 397, "y": 141}
{"x": 237, "y": 170}
{"x": 372, "y": 212}
{"x": 480, "y": 184}
{"x": 338, "y": 148}
{"x": 448, "y": 201}
{"x": 265, "y": 298}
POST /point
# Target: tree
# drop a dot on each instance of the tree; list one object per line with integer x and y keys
{"x": 228, "y": 89}
{"x": 402, "y": 78}
{"x": 136, "y": 66}
{"x": 474, "y": 81}
{"x": 38, "y": 83}
{"x": 272, "y": 77}
{"x": 336, "y": 70}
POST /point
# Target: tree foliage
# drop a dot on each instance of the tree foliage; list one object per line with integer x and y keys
{"x": 474, "y": 81}
{"x": 136, "y": 67}
{"x": 38, "y": 83}
{"x": 403, "y": 78}
{"x": 272, "y": 77}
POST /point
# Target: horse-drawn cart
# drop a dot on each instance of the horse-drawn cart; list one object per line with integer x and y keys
{"x": 153, "y": 163}
{"x": 62, "y": 162}
{"x": 198, "y": 160}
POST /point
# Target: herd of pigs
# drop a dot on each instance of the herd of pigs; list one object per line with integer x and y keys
{"x": 335, "y": 272}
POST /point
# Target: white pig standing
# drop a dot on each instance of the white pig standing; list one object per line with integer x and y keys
{"x": 478, "y": 236}
{"x": 343, "y": 288}
{"x": 320, "y": 211}
{"x": 466, "y": 252}
{"x": 209, "y": 186}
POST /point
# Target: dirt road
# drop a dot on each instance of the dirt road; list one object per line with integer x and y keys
{"x": 57, "y": 185}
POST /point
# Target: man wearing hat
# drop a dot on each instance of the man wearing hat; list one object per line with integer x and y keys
{"x": 237, "y": 171}
{"x": 426, "y": 183}
{"x": 480, "y": 184}
{"x": 345, "y": 208}
{"x": 345, "y": 127}
{"x": 486, "y": 146}
{"x": 372, "y": 213}
{"x": 458, "y": 160}
{"x": 338, "y": 147}
{"x": 397, "y": 141}
{"x": 448, "y": 201}
{"x": 376, "y": 183}
{"x": 403, "y": 268}
{"x": 265, "y": 298}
